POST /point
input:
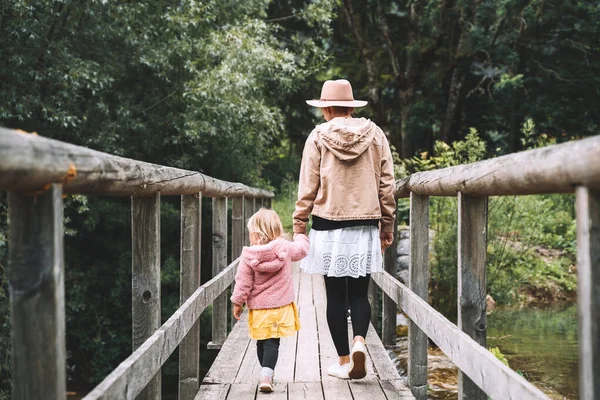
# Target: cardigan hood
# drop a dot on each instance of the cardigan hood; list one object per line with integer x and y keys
{"x": 269, "y": 257}
{"x": 347, "y": 138}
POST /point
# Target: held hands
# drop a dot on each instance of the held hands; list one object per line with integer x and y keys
{"x": 237, "y": 311}
{"x": 386, "y": 239}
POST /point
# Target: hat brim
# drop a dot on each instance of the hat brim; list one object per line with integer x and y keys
{"x": 339, "y": 103}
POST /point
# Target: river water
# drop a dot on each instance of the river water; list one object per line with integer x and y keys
{"x": 539, "y": 342}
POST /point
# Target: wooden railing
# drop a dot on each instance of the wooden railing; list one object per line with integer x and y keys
{"x": 37, "y": 171}
{"x": 564, "y": 168}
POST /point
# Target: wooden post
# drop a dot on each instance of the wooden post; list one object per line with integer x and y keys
{"x": 388, "y": 320}
{"x": 145, "y": 279}
{"x": 267, "y": 202}
{"x": 189, "y": 281}
{"x": 373, "y": 295}
{"x": 418, "y": 283}
{"x": 588, "y": 291}
{"x": 472, "y": 250}
{"x": 237, "y": 233}
{"x": 219, "y": 262}
{"x": 37, "y": 294}
{"x": 248, "y": 211}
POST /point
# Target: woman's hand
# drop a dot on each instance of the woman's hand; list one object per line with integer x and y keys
{"x": 387, "y": 238}
{"x": 237, "y": 311}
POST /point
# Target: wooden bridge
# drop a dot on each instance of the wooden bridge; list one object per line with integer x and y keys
{"x": 37, "y": 171}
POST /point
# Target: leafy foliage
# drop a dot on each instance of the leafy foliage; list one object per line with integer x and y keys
{"x": 431, "y": 69}
{"x": 531, "y": 239}
{"x": 196, "y": 85}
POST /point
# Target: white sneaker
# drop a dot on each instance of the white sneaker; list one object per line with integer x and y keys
{"x": 339, "y": 371}
{"x": 358, "y": 361}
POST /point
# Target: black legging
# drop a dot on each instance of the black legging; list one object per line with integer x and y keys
{"x": 360, "y": 310}
{"x": 267, "y": 351}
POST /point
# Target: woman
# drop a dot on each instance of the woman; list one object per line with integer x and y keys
{"x": 347, "y": 185}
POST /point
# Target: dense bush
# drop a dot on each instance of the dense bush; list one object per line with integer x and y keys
{"x": 531, "y": 239}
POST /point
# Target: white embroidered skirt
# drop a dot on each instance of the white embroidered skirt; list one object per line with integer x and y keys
{"x": 354, "y": 252}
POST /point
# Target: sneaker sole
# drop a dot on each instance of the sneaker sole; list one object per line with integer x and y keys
{"x": 265, "y": 389}
{"x": 358, "y": 370}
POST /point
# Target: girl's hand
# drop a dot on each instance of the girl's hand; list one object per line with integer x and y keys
{"x": 237, "y": 311}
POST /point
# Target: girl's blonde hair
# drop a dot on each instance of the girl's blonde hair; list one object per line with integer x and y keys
{"x": 266, "y": 225}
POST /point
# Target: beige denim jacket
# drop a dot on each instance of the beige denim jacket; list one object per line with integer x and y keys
{"x": 347, "y": 172}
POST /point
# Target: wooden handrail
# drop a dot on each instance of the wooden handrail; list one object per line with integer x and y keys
{"x": 133, "y": 374}
{"x": 553, "y": 169}
{"x": 28, "y": 163}
{"x": 563, "y": 168}
{"x": 476, "y": 361}
{"x": 36, "y": 170}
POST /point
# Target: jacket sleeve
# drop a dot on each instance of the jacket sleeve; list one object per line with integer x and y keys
{"x": 299, "y": 247}
{"x": 244, "y": 280}
{"x": 387, "y": 184}
{"x": 308, "y": 185}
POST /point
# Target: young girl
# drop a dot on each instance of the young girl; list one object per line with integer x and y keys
{"x": 264, "y": 282}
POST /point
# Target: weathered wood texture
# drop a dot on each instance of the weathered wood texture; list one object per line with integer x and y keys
{"x": 472, "y": 251}
{"x": 237, "y": 226}
{"x": 248, "y": 211}
{"x": 301, "y": 371}
{"x": 419, "y": 284}
{"x": 36, "y": 278}
{"x": 588, "y": 291}
{"x": 496, "y": 379}
{"x": 551, "y": 169}
{"x": 189, "y": 281}
{"x": 219, "y": 262}
{"x": 132, "y": 375}
{"x": 30, "y": 162}
{"x": 373, "y": 296}
{"x": 389, "y": 309}
{"x": 213, "y": 392}
{"x": 145, "y": 278}
{"x": 307, "y": 353}
{"x": 237, "y": 233}
{"x": 226, "y": 366}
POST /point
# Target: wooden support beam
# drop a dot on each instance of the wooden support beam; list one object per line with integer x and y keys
{"x": 237, "y": 233}
{"x": 36, "y": 278}
{"x": 419, "y": 284}
{"x": 145, "y": 278}
{"x": 472, "y": 251}
{"x": 219, "y": 262}
{"x": 130, "y": 377}
{"x": 373, "y": 295}
{"x": 388, "y": 320}
{"x": 588, "y": 291}
{"x": 248, "y": 211}
{"x": 189, "y": 282}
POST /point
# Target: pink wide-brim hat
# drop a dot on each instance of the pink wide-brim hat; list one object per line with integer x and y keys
{"x": 337, "y": 93}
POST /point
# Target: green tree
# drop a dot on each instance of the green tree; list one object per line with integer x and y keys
{"x": 433, "y": 68}
{"x": 197, "y": 85}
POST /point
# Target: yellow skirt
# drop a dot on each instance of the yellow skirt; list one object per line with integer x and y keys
{"x": 273, "y": 322}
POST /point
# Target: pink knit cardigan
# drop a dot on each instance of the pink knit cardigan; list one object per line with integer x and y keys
{"x": 264, "y": 275}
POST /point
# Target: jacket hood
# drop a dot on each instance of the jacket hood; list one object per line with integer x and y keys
{"x": 347, "y": 138}
{"x": 268, "y": 257}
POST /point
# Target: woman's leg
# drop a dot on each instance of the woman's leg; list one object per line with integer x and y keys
{"x": 271, "y": 353}
{"x": 336, "y": 316}
{"x": 360, "y": 309}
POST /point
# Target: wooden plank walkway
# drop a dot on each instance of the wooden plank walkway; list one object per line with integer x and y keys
{"x": 303, "y": 360}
